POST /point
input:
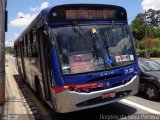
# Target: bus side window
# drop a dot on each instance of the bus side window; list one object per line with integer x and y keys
{"x": 24, "y": 48}
{"x": 27, "y": 37}
{"x": 34, "y": 44}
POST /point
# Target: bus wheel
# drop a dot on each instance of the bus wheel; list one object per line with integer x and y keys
{"x": 38, "y": 88}
{"x": 151, "y": 92}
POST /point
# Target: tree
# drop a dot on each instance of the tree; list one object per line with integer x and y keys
{"x": 10, "y": 50}
{"x": 149, "y": 44}
{"x": 138, "y": 27}
{"x": 153, "y": 18}
{"x": 146, "y": 22}
{"x": 156, "y": 32}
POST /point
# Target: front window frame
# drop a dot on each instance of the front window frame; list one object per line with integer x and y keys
{"x": 106, "y": 69}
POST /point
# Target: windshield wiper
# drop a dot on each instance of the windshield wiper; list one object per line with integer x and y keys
{"x": 83, "y": 34}
{"x": 107, "y": 47}
{"x": 80, "y": 30}
{"x": 95, "y": 47}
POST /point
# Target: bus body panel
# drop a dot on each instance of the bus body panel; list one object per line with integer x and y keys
{"x": 117, "y": 74}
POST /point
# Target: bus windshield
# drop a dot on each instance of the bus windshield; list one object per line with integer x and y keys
{"x": 88, "y": 48}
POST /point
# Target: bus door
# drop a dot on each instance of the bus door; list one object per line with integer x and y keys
{"x": 45, "y": 55}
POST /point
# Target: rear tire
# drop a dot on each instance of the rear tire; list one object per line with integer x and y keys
{"x": 151, "y": 92}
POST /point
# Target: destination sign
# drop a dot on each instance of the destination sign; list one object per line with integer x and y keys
{"x": 90, "y": 14}
{"x": 87, "y": 12}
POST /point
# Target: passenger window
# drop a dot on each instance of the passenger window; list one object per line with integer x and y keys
{"x": 27, "y": 37}
{"x": 34, "y": 44}
{"x": 26, "y": 47}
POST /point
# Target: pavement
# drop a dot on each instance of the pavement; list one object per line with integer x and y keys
{"x": 15, "y": 107}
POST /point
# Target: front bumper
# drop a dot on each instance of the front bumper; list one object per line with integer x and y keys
{"x": 68, "y": 101}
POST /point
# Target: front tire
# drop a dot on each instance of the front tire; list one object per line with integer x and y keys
{"x": 151, "y": 92}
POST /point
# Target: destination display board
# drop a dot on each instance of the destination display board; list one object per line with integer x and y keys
{"x": 87, "y": 12}
{"x": 90, "y": 14}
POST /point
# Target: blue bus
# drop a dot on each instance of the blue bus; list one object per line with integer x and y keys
{"x": 79, "y": 56}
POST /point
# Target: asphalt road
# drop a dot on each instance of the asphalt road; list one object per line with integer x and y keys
{"x": 135, "y": 107}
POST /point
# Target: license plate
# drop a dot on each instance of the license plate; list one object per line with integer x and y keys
{"x": 108, "y": 95}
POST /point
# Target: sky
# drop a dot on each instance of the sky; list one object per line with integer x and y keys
{"x": 22, "y": 12}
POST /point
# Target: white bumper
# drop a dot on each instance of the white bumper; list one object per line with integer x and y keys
{"x": 67, "y": 101}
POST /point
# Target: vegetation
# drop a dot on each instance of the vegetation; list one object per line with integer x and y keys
{"x": 10, "y": 50}
{"x": 146, "y": 31}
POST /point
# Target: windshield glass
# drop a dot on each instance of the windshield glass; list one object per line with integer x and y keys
{"x": 149, "y": 65}
{"x": 92, "y": 48}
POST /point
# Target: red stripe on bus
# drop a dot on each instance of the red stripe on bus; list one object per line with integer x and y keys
{"x": 81, "y": 86}
{"x": 86, "y": 86}
{"x": 60, "y": 89}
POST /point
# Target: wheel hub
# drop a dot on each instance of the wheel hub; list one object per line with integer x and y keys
{"x": 150, "y": 92}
